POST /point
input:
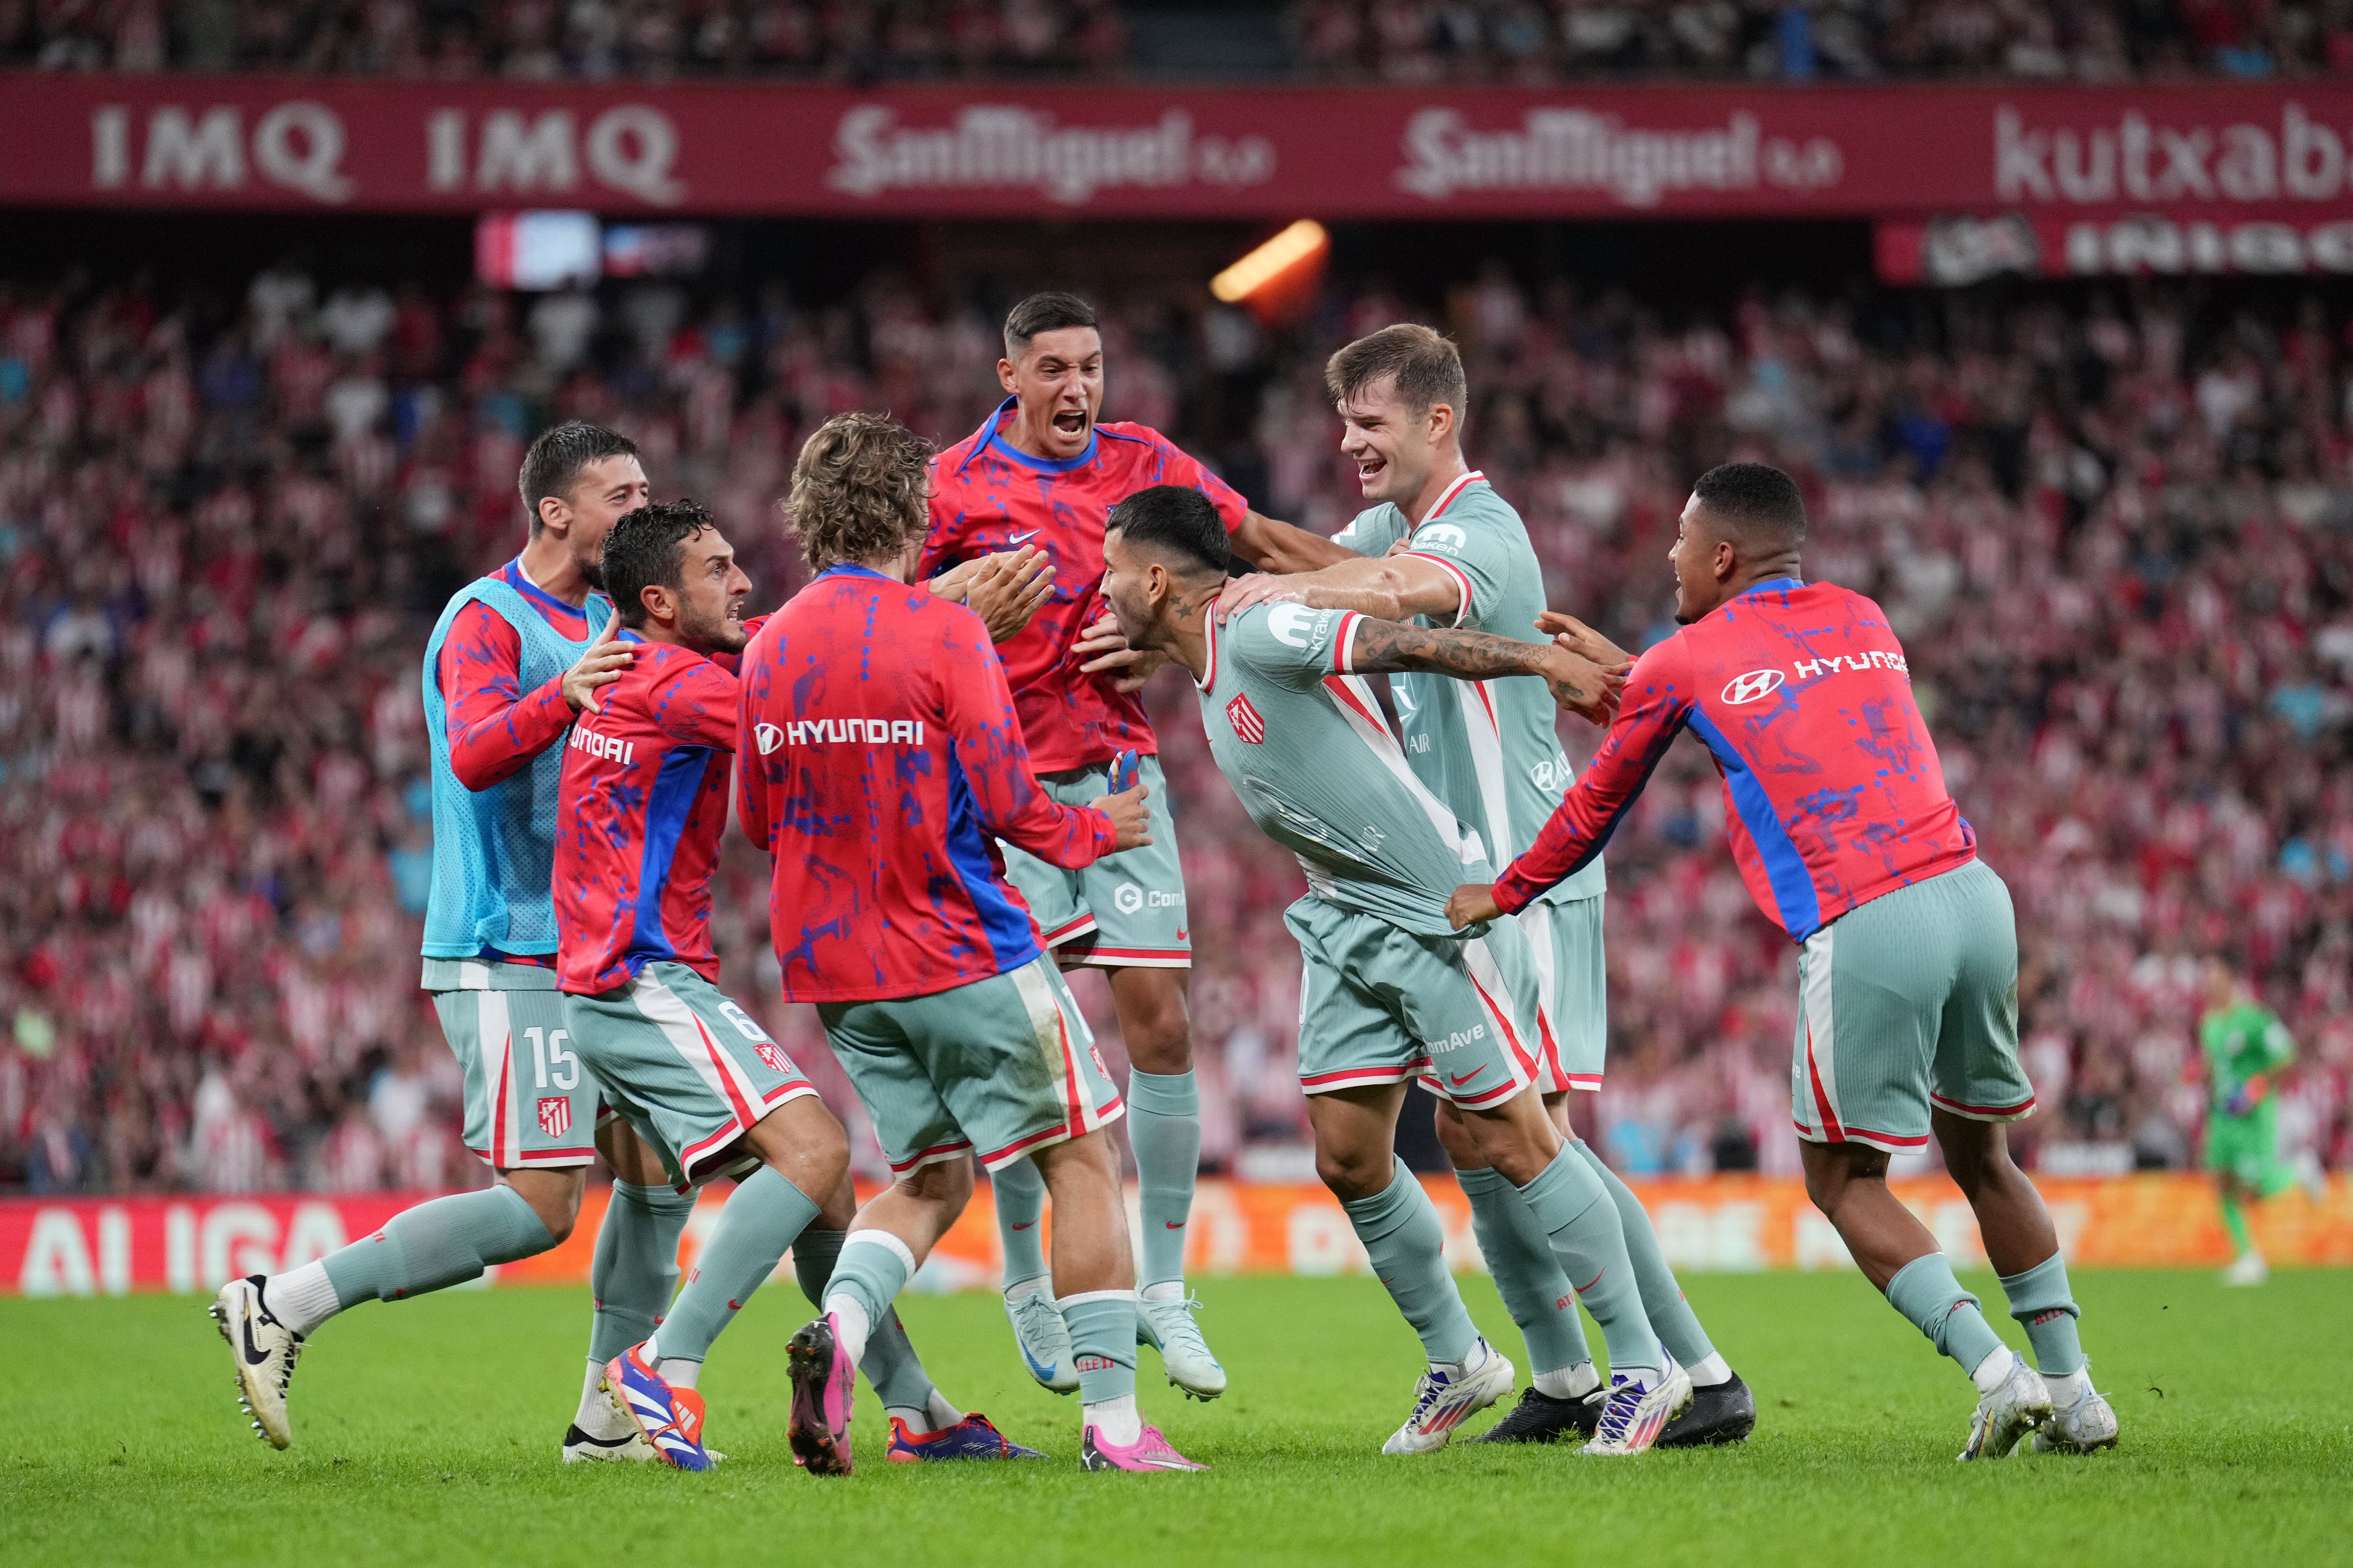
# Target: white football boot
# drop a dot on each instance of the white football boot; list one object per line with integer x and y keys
{"x": 1044, "y": 1338}
{"x": 2087, "y": 1425}
{"x": 2017, "y": 1404}
{"x": 1638, "y": 1410}
{"x": 1167, "y": 1326}
{"x": 2247, "y": 1268}
{"x": 265, "y": 1351}
{"x": 1443, "y": 1397}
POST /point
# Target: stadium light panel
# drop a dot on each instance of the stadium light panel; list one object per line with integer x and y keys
{"x": 1304, "y": 244}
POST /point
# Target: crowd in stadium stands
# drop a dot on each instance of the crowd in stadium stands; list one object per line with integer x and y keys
{"x": 2115, "y": 533}
{"x": 1405, "y": 41}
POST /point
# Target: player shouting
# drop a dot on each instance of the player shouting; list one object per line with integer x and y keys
{"x": 1447, "y": 550}
{"x": 644, "y": 803}
{"x": 514, "y": 659}
{"x": 889, "y": 758}
{"x": 2246, "y": 1045}
{"x": 1042, "y": 472}
{"x": 1908, "y": 969}
{"x": 1391, "y": 991}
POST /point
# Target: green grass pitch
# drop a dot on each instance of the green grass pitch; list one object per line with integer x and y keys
{"x": 426, "y": 1433}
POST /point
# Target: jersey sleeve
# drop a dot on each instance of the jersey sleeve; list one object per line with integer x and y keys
{"x": 1655, "y": 708}
{"x": 1292, "y": 645}
{"x": 944, "y": 537}
{"x": 1372, "y": 531}
{"x": 495, "y": 728}
{"x": 986, "y": 733}
{"x": 1178, "y": 466}
{"x": 760, "y": 771}
{"x": 1480, "y": 559}
{"x": 693, "y": 702}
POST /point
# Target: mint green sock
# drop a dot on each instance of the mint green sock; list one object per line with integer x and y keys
{"x": 1662, "y": 1296}
{"x": 1164, "y": 1129}
{"x": 871, "y": 1271}
{"x": 1527, "y": 1276}
{"x": 1926, "y": 1291}
{"x": 2045, "y": 1308}
{"x": 1020, "y": 1194}
{"x": 1573, "y": 1209}
{"x": 439, "y": 1243}
{"x": 635, "y": 1271}
{"x": 761, "y": 1219}
{"x": 1400, "y": 1230}
{"x": 2235, "y": 1219}
{"x": 890, "y": 1363}
{"x": 1102, "y": 1343}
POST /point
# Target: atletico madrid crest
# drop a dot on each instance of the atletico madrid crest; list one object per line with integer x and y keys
{"x": 772, "y": 1054}
{"x": 555, "y": 1115}
{"x": 1244, "y": 718}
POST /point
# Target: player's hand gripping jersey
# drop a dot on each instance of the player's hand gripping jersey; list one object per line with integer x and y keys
{"x": 987, "y": 496}
{"x": 1801, "y": 693}
{"x": 1300, "y": 737}
{"x": 644, "y": 802}
{"x": 886, "y": 760}
{"x": 1487, "y": 747}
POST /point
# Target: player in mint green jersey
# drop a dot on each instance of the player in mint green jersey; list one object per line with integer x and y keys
{"x": 2246, "y": 1045}
{"x": 1391, "y": 993}
{"x": 1442, "y": 548}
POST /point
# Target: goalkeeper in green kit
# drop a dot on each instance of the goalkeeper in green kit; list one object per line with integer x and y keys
{"x": 2246, "y": 1047}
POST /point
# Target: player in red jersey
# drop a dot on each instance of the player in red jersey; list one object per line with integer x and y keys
{"x": 1907, "y": 974}
{"x": 1043, "y": 472}
{"x": 887, "y": 761}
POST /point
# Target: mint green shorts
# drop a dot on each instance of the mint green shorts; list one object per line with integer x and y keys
{"x": 529, "y": 1105}
{"x": 1127, "y": 910}
{"x": 691, "y": 1070}
{"x": 1378, "y": 1003}
{"x": 1572, "y": 991}
{"x": 998, "y": 1069}
{"x": 1906, "y": 1002}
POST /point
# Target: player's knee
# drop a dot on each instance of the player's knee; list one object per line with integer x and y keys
{"x": 1353, "y": 1174}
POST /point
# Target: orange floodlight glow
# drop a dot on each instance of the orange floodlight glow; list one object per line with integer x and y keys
{"x": 1304, "y": 244}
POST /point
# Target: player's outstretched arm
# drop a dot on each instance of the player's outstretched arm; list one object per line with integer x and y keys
{"x": 976, "y": 711}
{"x": 1578, "y": 683}
{"x": 1394, "y": 587}
{"x": 1272, "y": 547}
{"x": 495, "y": 728}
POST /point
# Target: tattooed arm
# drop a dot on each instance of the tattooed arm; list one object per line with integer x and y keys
{"x": 1578, "y": 683}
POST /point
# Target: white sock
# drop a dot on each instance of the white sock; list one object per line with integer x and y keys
{"x": 1711, "y": 1371}
{"x": 1480, "y": 1351}
{"x": 301, "y": 1298}
{"x": 598, "y": 1416}
{"x": 936, "y": 1415}
{"x": 1116, "y": 1420}
{"x": 1043, "y": 1285}
{"x": 850, "y": 1324}
{"x": 679, "y": 1372}
{"x": 2068, "y": 1390}
{"x": 1166, "y": 1290}
{"x": 1568, "y": 1382}
{"x": 1992, "y": 1370}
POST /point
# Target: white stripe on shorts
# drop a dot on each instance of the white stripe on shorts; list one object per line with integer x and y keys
{"x": 1820, "y": 1067}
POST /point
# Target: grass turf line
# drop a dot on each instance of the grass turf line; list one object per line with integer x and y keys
{"x": 427, "y": 1431}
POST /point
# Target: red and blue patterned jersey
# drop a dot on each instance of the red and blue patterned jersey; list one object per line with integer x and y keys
{"x": 886, "y": 762}
{"x": 987, "y": 496}
{"x": 495, "y": 726}
{"x": 1801, "y": 693}
{"x": 637, "y": 831}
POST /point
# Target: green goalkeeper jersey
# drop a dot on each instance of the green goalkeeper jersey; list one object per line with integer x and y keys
{"x": 1487, "y": 747}
{"x": 2243, "y": 1041}
{"x": 1301, "y": 738}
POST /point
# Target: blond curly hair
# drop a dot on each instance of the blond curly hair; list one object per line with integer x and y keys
{"x": 858, "y": 491}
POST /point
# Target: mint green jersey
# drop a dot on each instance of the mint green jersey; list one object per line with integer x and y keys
{"x": 1487, "y": 747}
{"x": 1300, "y": 737}
{"x": 2243, "y": 1041}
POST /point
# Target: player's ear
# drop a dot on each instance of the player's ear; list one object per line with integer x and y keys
{"x": 1005, "y": 374}
{"x": 555, "y": 513}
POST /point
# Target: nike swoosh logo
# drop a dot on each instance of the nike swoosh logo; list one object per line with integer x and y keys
{"x": 1024, "y": 1227}
{"x": 254, "y": 1354}
{"x": 1466, "y": 1077}
{"x": 1590, "y": 1284}
{"x": 1173, "y": 1223}
{"x": 1020, "y": 538}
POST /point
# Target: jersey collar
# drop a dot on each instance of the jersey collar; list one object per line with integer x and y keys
{"x": 852, "y": 569}
{"x": 520, "y": 581}
{"x": 1043, "y": 465}
{"x": 1446, "y": 497}
{"x": 1209, "y": 630}
{"x": 1771, "y": 585}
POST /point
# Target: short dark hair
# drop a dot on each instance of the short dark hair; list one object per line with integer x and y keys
{"x": 646, "y": 549}
{"x": 1428, "y": 367}
{"x": 553, "y": 465}
{"x": 1046, "y": 312}
{"x": 1175, "y": 520}
{"x": 1757, "y": 500}
{"x": 858, "y": 489}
